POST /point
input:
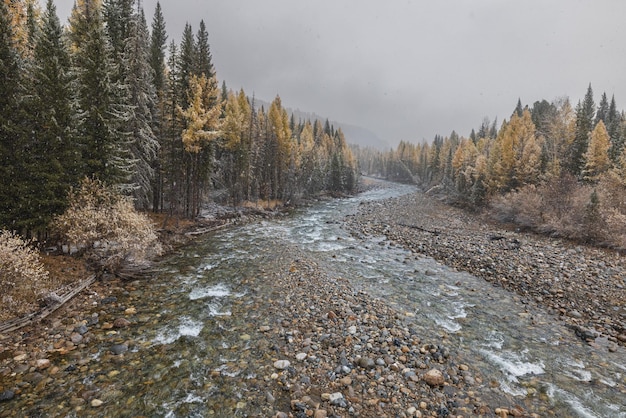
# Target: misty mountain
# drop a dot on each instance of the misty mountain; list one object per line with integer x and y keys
{"x": 356, "y": 135}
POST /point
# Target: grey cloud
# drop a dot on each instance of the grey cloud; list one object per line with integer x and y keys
{"x": 410, "y": 69}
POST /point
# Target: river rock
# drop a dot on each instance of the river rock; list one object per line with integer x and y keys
{"x": 337, "y": 399}
{"x": 42, "y": 364}
{"x": 434, "y": 377}
{"x": 301, "y": 356}
{"x": 81, "y": 329}
{"x": 121, "y": 323}
{"x": 7, "y": 395}
{"x": 282, "y": 364}
{"x": 366, "y": 363}
{"x": 118, "y": 349}
{"x": 320, "y": 413}
{"x": 76, "y": 338}
{"x": 108, "y": 300}
{"x": 96, "y": 403}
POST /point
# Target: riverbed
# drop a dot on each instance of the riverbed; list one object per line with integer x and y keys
{"x": 304, "y": 316}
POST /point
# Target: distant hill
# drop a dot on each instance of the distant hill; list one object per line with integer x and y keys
{"x": 356, "y": 135}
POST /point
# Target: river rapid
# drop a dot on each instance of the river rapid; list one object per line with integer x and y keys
{"x": 190, "y": 352}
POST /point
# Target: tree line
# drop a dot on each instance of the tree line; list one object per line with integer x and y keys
{"x": 550, "y": 167}
{"x": 107, "y": 98}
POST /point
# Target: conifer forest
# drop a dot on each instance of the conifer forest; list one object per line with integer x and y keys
{"x": 551, "y": 167}
{"x": 108, "y": 97}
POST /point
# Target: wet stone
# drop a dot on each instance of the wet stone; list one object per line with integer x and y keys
{"x": 118, "y": 349}
{"x": 121, "y": 323}
{"x": 7, "y": 395}
{"x": 81, "y": 329}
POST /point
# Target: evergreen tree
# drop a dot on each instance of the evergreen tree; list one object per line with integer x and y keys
{"x": 585, "y": 112}
{"x": 613, "y": 127}
{"x": 140, "y": 108}
{"x": 203, "y": 61}
{"x": 185, "y": 64}
{"x": 117, "y": 15}
{"x": 105, "y": 150}
{"x": 518, "y": 108}
{"x": 9, "y": 140}
{"x": 602, "y": 114}
{"x": 53, "y": 161}
{"x": 158, "y": 40}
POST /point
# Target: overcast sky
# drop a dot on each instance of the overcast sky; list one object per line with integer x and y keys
{"x": 408, "y": 70}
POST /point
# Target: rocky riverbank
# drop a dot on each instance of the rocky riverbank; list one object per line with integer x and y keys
{"x": 583, "y": 285}
{"x": 312, "y": 347}
{"x": 294, "y": 340}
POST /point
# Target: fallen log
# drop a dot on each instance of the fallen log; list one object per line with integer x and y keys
{"x": 17, "y": 323}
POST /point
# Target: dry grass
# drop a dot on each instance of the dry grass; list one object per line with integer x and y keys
{"x": 26, "y": 276}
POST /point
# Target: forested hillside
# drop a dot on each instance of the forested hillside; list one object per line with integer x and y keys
{"x": 108, "y": 98}
{"x": 550, "y": 167}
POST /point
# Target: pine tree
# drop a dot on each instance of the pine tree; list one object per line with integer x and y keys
{"x": 613, "y": 127}
{"x": 9, "y": 133}
{"x": 518, "y": 108}
{"x": 140, "y": 107}
{"x": 203, "y": 61}
{"x": 602, "y": 114}
{"x": 105, "y": 150}
{"x": 53, "y": 163}
{"x": 585, "y": 112}
{"x": 186, "y": 61}
{"x": 158, "y": 40}
{"x": 118, "y": 15}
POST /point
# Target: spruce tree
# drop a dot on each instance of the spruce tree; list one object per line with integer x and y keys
{"x": 105, "y": 150}
{"x": 139, "y": 109}
{"x": 158, "y": 40}
{"x": 602, "y": 114}
{"x": 117, "y": 15}
{"x": 585, "y": 112}
{"x": 613, "y": 126}
{"x": 203, "y": 61}
{"x": 185, "y": 64}
{"x": 53, "y": 163}
{"x": 9, "y": 82}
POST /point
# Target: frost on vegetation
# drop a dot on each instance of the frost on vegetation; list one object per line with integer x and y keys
{"x": 106, "y": 228}
{"x": 23, "y": 277}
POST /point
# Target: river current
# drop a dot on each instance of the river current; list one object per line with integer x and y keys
{"x": 196, "y": 315}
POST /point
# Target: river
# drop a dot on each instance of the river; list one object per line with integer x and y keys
{"x": 189, "y": 355}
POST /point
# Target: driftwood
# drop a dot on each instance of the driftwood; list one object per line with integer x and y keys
{"x": 59, "y": 301}
{"x": 206, "y": 230}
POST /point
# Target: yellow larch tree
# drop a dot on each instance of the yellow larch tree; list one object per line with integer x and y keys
{"x": 597, "y": 160}
{"x": 202, "y": 116}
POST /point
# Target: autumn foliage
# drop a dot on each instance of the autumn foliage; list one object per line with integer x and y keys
{"x": 549, "y": 168}
{"x": 103, "y": 224}
{"x": 23, "y": 278}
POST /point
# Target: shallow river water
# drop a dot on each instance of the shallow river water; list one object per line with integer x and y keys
{"x": 191, "y": 354}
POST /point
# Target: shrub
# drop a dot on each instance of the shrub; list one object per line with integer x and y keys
{"x": 563, "y": 207}
{"x": 105, "y": 226}
{"x": 522, "y": 207}
{"x": 23, "y": 278}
